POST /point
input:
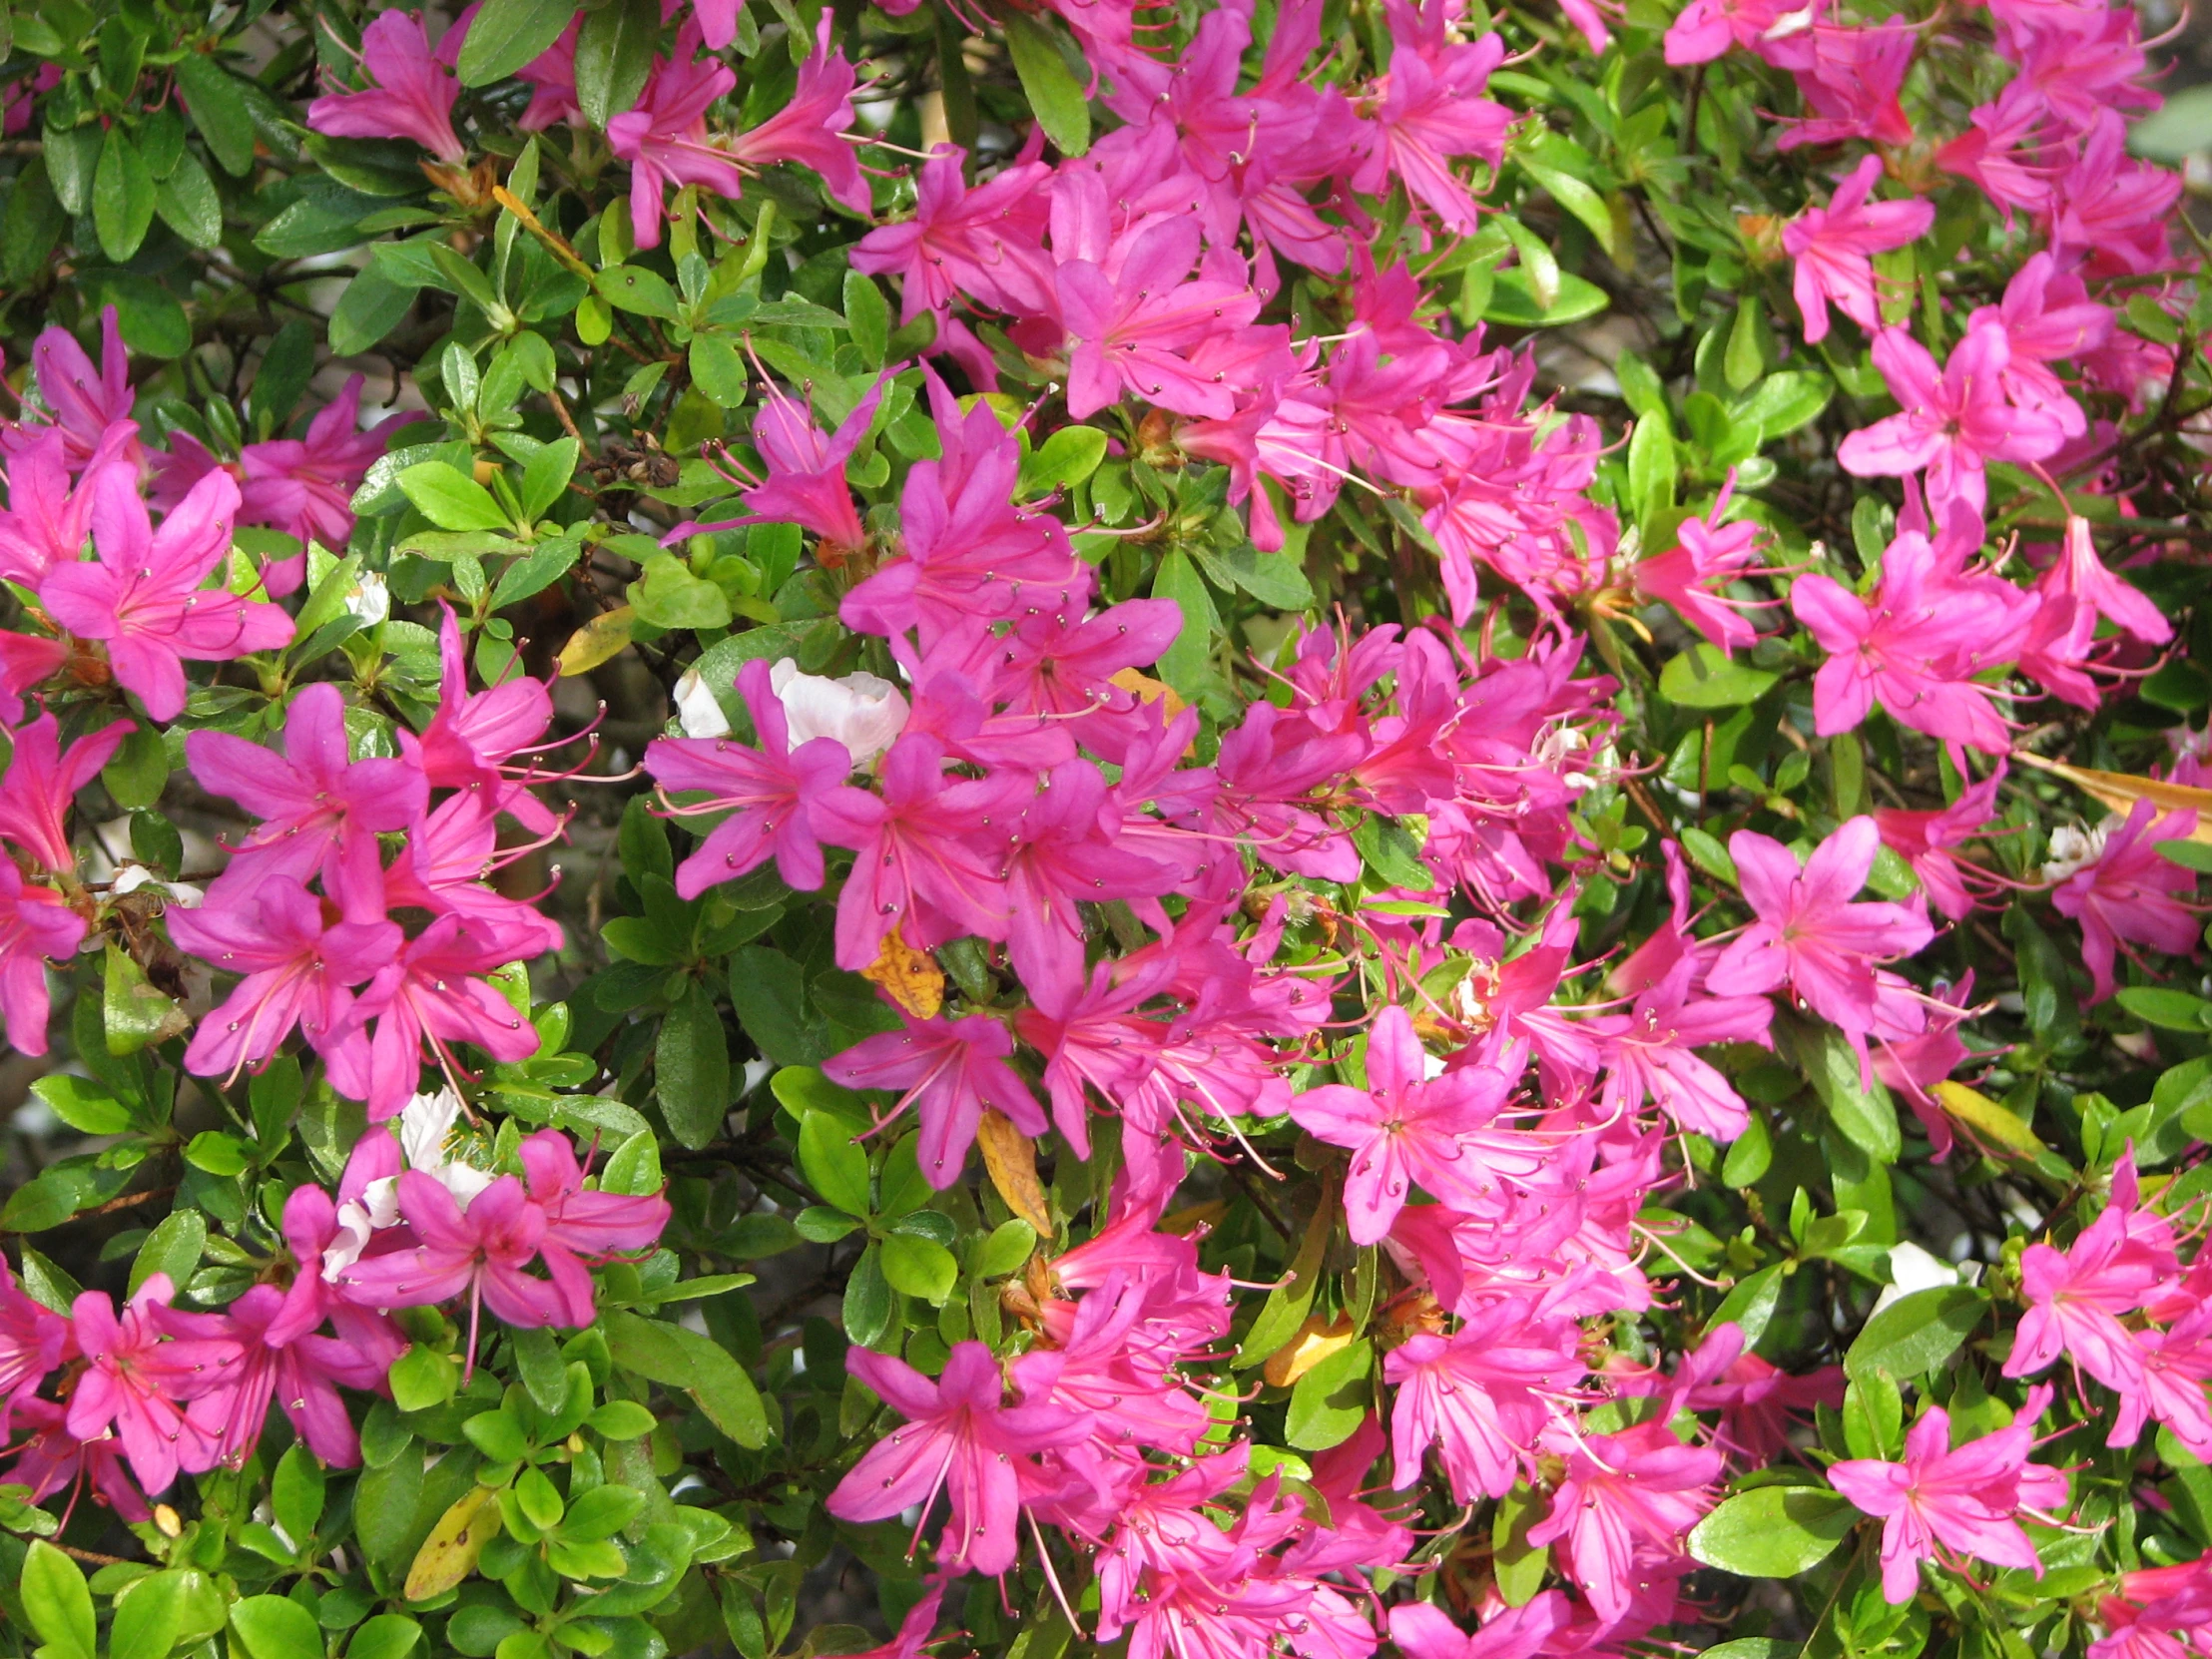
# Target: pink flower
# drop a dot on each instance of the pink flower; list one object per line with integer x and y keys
{"x": 479, "y": 1251}
{"x": 1640, "y": 1486}
{"x": 1649, "y": 1053}
{"x": 664, "y": 139}
{"x": 810, "y": 130}
{"x": 583, "y": 1226}
{"x": 36, "y": 927}
{"x": 1950, "y": 424}
{"x": 1693, "y": 574}
{"x": 950, "y": 1071}
{"x": 34, "y": 1339}
{"x": 300, "y": 1375}
{"x": 53, "y": 1459}
{"x": 1928, "y": 841}
{"x": 2077, "y": 1297}
{"x": 45, "y": 522}
{"x": 1938, "y": 1500}
{"x": 551, "y": 77}
{"x": 304, "y": 486}
{"x": 1831, "y": 246}
{"x": 1137, "y": 330}
{"x": 42, "y": 784}
{"x": 411, "y": 90}
{"x": 1705, "y": 29}
{"x": 1478, "y": 1396}
{"x": 2119, "y": 887}
{"x": 2079, "y": 575}
{"x": 767, "y": 791}
{"x": 1849, "y": 77}
{"x": 320, "y": 810}
{"x": 136, "y": 1380}
{"x": 1420, "y": 1630}
{"x": 963, "y": 1440}
{"x": 926, "y": 852}
{"x": 473, "y": 734}
{"x": 298, "y": 960}
{"x": 1916, "y": 646}
{"x": 1428, "y": 110}
{"x": 145, "y": 593}
{"x": 1404, "y": 1131}
{"x": 1809, "y": 935}
{"x": 90, "y": 406}
{"x": 435, "y": 990}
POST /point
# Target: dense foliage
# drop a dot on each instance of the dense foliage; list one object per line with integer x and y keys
{"x": 1379, "y": 827}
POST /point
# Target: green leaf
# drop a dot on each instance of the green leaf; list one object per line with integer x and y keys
{"x": 1652, "y": 467}
{"x": 867, "y": 318}
{"x": 1706, "y": 677}
{"x": 221, "y": 1155}
{"x": 187, "y": 203}
{"x": 89, "y": 1108}
{"x": 673, "y": 1356}
{"x": 621, "y": 1420}
{"x": 832, "y": 1162}
{"x": 545, "y": 477}
{"x": 1754, "y": 1647}
{"x": 1010, "y": 1244}
{"x": 1291, "y": 1298}
{"x": 630, "y": 287}
{"x": 602, "y": 1513}
{"x": 507, "y": 34}
{"x": 295, "y": 1494}
{"x": 691, "y": 1065}
{"x": 670, "y": 596}
{"x": 920, "y": 1268}
{"x": 1773, "y": 1531}
{"x": 1055, "y": 93}
{"x": 1858, "y": 1104}
{"x": 1064, "y": 460}
{"x": 371, "y": 307}
{"x": 1916, "y": 1332}
{"x": 422, "y": 1377}
{"x": 1751, "y": 1305}
{"x": 450, "y": 498}
{"x": 1750, "y": 1155}
{"x": 122, "y": 197}
{"x": 175, "y": 1248}
{"x": 386, "y": 1636}
{"x": 277, "y": 1627}
{"x": 1184, "y": 665}
{"x": 536, "y": 570}
{"x": 132, "y": 1012}
{"x": 218, "y": 108}
{"x": 1782, "y": 403}
{"x": 1519, "y": 1566}
{"x": 538, "y": 1358}
{"x": 1513, "y": 301}
{"x": 718, "y": 370}
{"x": 153, "y": 1614}
{"x": 1331, "y": 1401}
{"x": 58, "y": 1602}
{"x": 32, "y": 225}
{"x": 139, "y": 771}
{"x": 384, "y": 1503}
{"x": 614, "y": 54}
{"x": 634, "y": 1169}
{"x": 2169, "y": 1010}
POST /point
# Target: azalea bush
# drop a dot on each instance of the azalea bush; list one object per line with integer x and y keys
{"x": 1291, "y": 827}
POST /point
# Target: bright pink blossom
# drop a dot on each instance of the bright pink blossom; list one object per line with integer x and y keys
{"x": 412, "y": 89}
{"x": 1831, "y": 246}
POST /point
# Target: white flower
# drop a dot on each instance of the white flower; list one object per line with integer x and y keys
{"x": 696, "y": 709}
{"x": 860, "y": 711}
{"x": 130, "y": 877}
{"x": 2073, "y": 847}
{"x": 368, "y": 599}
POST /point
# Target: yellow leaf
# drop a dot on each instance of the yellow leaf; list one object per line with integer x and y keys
{"x": 1985, "y": 1120}
{"x": 2120, "y": 790}
{"x": 449, "y": 1554}
{"x": 909, "y": 977}
{"x": 1149, "y": 689}
{"x": 1316, "y": 1341}
{"x": 602, "y": 638}
{"x": 1011, "y": 1158}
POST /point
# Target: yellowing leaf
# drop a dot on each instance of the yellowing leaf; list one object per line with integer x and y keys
{"x": 1988, "y": 1121}
{"x": 449, "y": 1554}
{"x": 598, "y": 640}
{"x": 909, "y": 977}
{"x": 2120, "y": 790}
{"x": 1316, "y": 1341}
{"x": 1149, "y": 689}
{"x": 1011, "y": 1158}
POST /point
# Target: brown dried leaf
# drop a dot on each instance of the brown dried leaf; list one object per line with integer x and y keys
{"x": 909, "y": 977}
{"x": 2120, "y": 790}
{"x": 1010, "y": 1157}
